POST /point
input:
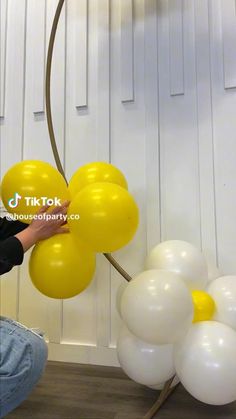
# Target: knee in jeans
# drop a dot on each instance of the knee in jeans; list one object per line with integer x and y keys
{"x": 25, "y": 359}
{"x": 40, "y": 354}
{"x": 43, "y": 349}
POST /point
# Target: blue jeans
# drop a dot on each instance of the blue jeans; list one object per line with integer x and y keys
{"x": 23, "y": 355}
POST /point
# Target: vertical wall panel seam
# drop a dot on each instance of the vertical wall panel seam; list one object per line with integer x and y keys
{"x": 159, "y": 146}
{"x": 198, "y": 133}
{"x": 38, "y": 96}
{"x": 127, "y": 91}
{"x": 81, "y": 88}
{"x": 5, "y": 62}
{"x": 109, "y": 82}
{"x": 159, "y": 137}
{"x": 229, "y": 73}
{"x": 109, "y": 151}
{"x": 151, "y": 132}
{"x": 64, "y": 142}
{"x": 22, "y": 141}
{"x": 109, "y": 141}
{"x": 223, "y": 45}
{"x": 182, "y": 90}
{"x": 5, "y": 55}
{"x": 45, "y": 48}
{"x": 146, "y": 136}
{"x": 213, "y": 136}
{"x": 103, "y": 320}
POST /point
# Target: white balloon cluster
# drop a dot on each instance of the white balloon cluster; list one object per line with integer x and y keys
{"x": 161, "y": 336}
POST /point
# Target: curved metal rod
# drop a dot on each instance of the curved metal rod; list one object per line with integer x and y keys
{"x": 167, "y": 390}
{"x": 117, "y": 267}
{"x": 50, "y": 123}
{"x": 165, "y": 393}
{"x": 48, "y": 89}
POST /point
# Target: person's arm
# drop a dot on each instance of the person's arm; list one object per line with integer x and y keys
{"x": 12, "y": 249}
{"x": 11, "y": 254}
{"x": 10, "y": 228}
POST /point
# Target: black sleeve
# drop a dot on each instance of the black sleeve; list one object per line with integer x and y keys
{"x": 10, "y": 228}
{"x": 11, "y": 254}
{"x": 11, "y": 249}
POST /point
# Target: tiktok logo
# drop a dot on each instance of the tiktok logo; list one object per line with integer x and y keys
{"x": 13, "y": 202}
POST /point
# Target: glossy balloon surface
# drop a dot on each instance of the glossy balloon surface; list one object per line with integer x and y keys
{"x": 205, "y": 362}
{"x": 157, "y": 307}
{"x": 204, "y": 306}
{"x": 32, "y": 179}
{"x": 93, "y": 173}
{"x": 180, "y": 257}
{"x": 144, "y": 363}
{"x": 223, "y": 291}
{"x": 61, "y": 266}
{"x": 108, "y": 216}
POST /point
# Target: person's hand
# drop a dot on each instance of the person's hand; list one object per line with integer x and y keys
{"x": 45, "y": 228}
{"x": 41, "y": 229}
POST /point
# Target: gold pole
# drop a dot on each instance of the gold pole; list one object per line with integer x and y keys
{"x": 165, "y": 393}
{"x": 50, "y": 122}
{"x": 48, "y": 89}
{"x": 116, "y": 265}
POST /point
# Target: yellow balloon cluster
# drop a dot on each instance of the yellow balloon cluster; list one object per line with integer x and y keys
{"x": 102, "y": 217}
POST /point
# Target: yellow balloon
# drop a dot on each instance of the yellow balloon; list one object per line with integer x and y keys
{"x": 61, "y": 266}
{"x": 32, "y": 179}
{"x": 96, "y": 172}
{"x": 108, "y": 216}
{"x": 204, "y": 306}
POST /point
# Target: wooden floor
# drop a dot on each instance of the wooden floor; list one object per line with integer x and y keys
{"x": 72, "y": 391}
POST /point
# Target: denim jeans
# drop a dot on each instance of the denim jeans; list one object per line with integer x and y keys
{"x": 23, "y": 355}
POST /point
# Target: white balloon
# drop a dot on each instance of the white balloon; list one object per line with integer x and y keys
{"x": 182, "y": 258}
{"x": 223, "y": 292}
{"x": 157, "y": 307}
{"x": 144, "y": 363}
{"x": 119, "y": 294}
{"x": 205, "y": 361}
{"x": 162, "y": 385}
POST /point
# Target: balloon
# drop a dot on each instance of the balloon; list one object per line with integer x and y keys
{"x": 96, "y": 172}
{"x": 61, "y": 266}
{"x": 144, "y": 363}
{"x": 108, "y": 216}
{"x": 36, "y": 179}
{"x": 180, "y": 257}
{"x": 157, "y": 307}
{"x": 119, "y": 294}
{"x": 223, "y": 291}
{"x": 162, "y": 385}
{"x": 205, "y": 362}
{"x": 204, "y": 306}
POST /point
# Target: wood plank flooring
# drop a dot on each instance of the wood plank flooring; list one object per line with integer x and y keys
{"x": 73, "y": 391}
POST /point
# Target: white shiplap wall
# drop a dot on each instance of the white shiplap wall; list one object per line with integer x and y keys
{"x": 149, "y": 85}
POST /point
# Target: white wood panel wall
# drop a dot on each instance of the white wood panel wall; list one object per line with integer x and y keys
{"x": 149, "y": 85}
